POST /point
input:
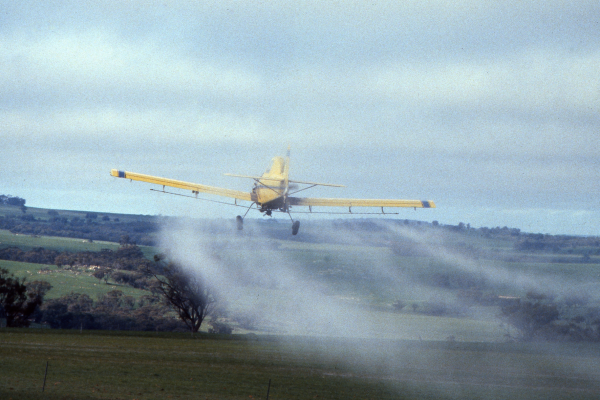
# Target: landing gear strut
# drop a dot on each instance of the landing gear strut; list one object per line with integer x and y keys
{"x": 239, "y": 220}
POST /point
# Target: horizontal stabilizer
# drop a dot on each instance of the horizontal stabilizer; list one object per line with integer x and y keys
{"x": 280, "y": 179}
{"x": 262, "y": 178}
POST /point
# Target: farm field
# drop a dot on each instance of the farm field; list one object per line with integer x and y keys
{"x": 348, "y": 309}
{"x": 128, "y": 365}
{"x": 349, "y": 270}
{"x": 65, "y": 281}
{"x": 28, "y": 242}
{"x": 394, "y": 281}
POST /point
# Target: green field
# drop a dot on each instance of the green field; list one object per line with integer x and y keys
{"x": 27, "y": 242}
{"x": 352, "y": 313}
{"x": 361, "y": 277}
{"x": 103, "y": 365}
{"x": 65, "y": 281}
{"x": 73, "y": 245}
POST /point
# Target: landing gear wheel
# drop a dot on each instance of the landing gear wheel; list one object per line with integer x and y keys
{"x": 295, "y": 227}
{"x": 240, "y": 222}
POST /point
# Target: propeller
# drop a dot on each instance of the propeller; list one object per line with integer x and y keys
{"x": 286, "y": 177}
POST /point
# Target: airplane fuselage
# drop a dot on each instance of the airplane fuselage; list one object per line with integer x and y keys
{"x": 270, "y": 190}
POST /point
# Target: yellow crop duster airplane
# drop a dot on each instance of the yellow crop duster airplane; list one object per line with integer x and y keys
{"x": 271, "y": 192}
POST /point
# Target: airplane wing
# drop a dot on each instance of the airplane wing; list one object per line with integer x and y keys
{"x": 307, "y": 201}
{"x": 194, "y": 187}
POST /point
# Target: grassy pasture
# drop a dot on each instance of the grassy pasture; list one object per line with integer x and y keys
{"x": 27, "y": 242}
{"x": 66, "y": 281}
{"x": 72, "y": 245}
{"x": 104, "y": 365}
{"x": 367, "y": 276}
{"x": 392, "y": 364}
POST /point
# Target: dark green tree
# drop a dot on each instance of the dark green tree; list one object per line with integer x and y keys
{"x": 17, "y": 303}
{"x": 531, "y": 316}
{"x": 185, "y": 291}
{"x": 70, "y": 311}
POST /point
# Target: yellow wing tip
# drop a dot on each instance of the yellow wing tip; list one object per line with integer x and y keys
{"x": 116, "y": 173}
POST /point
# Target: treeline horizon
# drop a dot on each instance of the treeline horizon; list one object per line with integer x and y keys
{"x": 143, "y": 229}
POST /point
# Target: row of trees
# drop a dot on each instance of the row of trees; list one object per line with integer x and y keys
{"x": 127, "y": 257}
{"x": 112, "y": 311}
{"x": 173, "y": 288}
{"x": 141, "y": 232}
{"x": 9, "y": 200}
{"x": 538, "y": 317}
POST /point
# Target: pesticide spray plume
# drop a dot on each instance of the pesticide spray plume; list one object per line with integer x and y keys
{"x": 436, "y": 244}
{"x": 256, "y": 279}
{"x": 310, "y": 289}
{"x": 336, "y": 281}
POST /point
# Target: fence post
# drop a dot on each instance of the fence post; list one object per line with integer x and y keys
{"x": 45, "y": 374}
{"x": 268, "y": 389}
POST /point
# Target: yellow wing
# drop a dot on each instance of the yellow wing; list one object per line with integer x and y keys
{"x": 307, "y": 201}
{"x": 194, "y": 187}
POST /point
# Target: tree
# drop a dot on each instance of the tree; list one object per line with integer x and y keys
{"x": 69, "y": 312}
{"x": 16, "y": 302}
{"x": 98, "y": 274}
{"x": 124, "y": 240}
{"x": 398, "y": 305}
{"x": 110, "y": 302}
{"x": 531, "y": 317}
{"x": 38, "y": 289}
{"x": 107, "y": 273}
{"x": 12, "y": 200}
{"x": 186, "y": 292}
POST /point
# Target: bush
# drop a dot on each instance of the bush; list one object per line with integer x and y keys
{"x": 220, "y": 327}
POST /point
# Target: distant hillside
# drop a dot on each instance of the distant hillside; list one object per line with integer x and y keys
{"x": 143, "y": 229}
{"x": 139, "y": 229}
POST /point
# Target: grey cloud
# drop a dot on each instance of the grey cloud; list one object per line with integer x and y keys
{"x": 487, "y": 102}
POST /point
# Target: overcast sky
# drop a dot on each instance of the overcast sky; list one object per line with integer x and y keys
{"x": 491, "y": 110}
